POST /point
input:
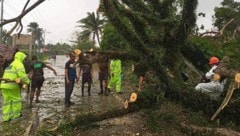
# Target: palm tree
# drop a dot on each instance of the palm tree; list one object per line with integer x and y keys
{"x": 37, "y": 34}
{"x": 92, "y": 26}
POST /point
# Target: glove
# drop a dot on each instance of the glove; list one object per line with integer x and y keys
{"x": 216, "y": 77}
{"x": 18, "y": 80}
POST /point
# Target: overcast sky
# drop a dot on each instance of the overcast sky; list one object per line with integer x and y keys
{"x": 207, "y": 7}
{"x": 58, "y": 17}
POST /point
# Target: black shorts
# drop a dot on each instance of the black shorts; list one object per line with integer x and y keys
{"x": 103, "y": 75}
{"x": 37, "y": 81}
{"x": 86, "y": 77}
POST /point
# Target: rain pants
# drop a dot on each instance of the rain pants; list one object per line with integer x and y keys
{"x": 213, "y": 88}
{"x": 115, "y": 73}
{"x": 12, "y": 101}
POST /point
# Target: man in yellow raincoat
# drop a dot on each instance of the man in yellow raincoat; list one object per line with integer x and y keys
{"x": 12, "y": 101}
{"x": 116, "y": 75}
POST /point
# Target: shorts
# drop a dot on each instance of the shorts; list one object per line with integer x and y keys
{"x": 103, "y": 75}
{"x": 86, "y": 77}
{"x": 37, "y": 81}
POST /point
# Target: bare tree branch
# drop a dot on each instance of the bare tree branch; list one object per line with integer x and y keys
{"x": 24, "y": 12}
{"x": 217, "y": 33}
{"x": 221, "y": 31}
{"x": 234, "y": 34}
{"x": 25, "y": 6}
{"x": 211, "y": 32}
{"x": 20, "y": 21}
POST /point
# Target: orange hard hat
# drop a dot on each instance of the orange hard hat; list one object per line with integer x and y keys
{"x": 213, "y": 60}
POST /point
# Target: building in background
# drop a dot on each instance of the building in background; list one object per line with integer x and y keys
{"x": 24, "y": 43}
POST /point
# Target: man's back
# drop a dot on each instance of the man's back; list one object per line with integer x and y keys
{"x": 37, "y": 67}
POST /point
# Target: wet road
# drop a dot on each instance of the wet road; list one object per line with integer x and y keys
{"x": 51, "y": 111}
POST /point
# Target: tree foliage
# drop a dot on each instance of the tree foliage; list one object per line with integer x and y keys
{"x": 110, "y": 36}
{"x": 161, "y": 32}
{"x": 37, "y": 32}
{"x": 228, "y": 11}
{"x": 92, "y": 26}
{"x": 85, "y": 45}
{"x": 156, "y": 29}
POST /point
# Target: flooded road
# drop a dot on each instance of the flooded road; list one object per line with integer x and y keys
{"x": 51, "y": 109}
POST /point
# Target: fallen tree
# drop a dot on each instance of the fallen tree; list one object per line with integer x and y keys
{"x": 140, "y": 25}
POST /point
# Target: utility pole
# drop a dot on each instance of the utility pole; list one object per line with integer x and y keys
{"x": 1, "y": 20}
{"x": 39, "y": 50}
{"x": 44, "y": 35}
{"x": 44, "y": 40}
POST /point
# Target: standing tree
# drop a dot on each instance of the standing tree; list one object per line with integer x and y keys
{"x": 92, "y": 26}
{"x": 37, "y": 34}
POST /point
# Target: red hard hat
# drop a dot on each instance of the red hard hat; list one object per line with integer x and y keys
{"x": 213, "y": 60}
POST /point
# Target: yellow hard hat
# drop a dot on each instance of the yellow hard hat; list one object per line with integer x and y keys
{"x": 77, "y": 51}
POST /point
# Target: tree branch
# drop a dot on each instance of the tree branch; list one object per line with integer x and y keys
{"x": 217, "y": 33}
{"x": 23, "y": 13}
{"x": 211, "y": 32}
{"x": 221, "y": 31}
{"x": 234, "y": 34}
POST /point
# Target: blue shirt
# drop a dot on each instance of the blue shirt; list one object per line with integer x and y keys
{"x": 71, "y": 68}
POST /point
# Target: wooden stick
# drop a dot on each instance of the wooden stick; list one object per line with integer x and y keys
{"x": 6, "y": 79}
